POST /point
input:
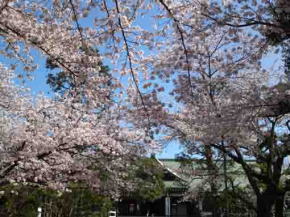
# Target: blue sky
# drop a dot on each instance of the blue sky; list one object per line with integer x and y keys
{"x": 38, "y": 84}
{"x": 170, "y": 150}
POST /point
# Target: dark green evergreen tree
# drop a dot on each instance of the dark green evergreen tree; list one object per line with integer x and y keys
{"x": 60, "y": 81}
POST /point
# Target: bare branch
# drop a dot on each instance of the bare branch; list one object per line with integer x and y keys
{"x": 250, "y": 23}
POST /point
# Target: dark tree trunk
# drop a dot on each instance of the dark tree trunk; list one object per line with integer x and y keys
{"x": 213, "y": 171}
{"x": 279, "y": 205}
{"x": 265, "y": 203}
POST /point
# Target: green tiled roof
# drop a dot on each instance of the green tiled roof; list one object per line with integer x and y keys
{"x": 174, "y": 184}
{"x": 194, "y": 176}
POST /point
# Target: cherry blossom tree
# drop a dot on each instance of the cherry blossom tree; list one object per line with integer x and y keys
{"x": 54, "y": 141}
{"x": 203, "y": 55}
{"x": 83, "y": 134}
{"x": 231, "y": 104}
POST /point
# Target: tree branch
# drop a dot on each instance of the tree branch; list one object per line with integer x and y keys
{"x": 77, "y": 23}
{"x": 248, "y": 170}
{"x": 182, "y": 42}
{"x": 130, "y": 61}
{"x": 17, "y": 33}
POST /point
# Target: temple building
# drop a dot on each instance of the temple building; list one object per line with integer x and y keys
{"x": 187, "y": 191}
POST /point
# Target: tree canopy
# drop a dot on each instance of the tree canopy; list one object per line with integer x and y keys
{"x": 192, "y": 71}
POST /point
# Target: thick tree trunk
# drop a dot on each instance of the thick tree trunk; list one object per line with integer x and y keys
{"x": 265, "y": 204}
{"x": 279, "y": 205}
